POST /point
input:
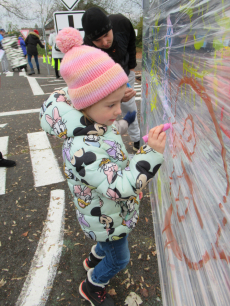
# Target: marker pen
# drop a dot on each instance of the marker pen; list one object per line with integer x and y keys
{"x": 165, "y": 127}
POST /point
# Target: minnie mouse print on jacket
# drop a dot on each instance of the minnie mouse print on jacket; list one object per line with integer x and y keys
{"x": 104, "y": 182}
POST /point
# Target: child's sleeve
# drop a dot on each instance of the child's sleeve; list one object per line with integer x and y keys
{"x": 94, "y": 168}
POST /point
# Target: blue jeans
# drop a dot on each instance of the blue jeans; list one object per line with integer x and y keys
{"x": 116, "y": 258}
{"x": 36, "y": 61}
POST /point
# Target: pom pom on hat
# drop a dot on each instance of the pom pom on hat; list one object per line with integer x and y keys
{"x": 68, "y": 38}
{"x": 90, "y": 73}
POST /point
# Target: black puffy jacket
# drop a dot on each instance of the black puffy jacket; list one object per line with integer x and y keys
{"x": 31, "y": 42}
{"x": 123, "y": 49}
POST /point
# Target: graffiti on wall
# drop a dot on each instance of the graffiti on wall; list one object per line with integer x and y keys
{"x": 186, "y": 81}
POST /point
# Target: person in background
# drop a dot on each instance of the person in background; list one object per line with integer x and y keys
{"x": 23, "y": 45}
{"x": 6, "y": 162}
{"x": 31, "y": 42}
{"x": 56, "y": 53}
{"x": 114, "y": 34}
{"x": 4, "y": 60}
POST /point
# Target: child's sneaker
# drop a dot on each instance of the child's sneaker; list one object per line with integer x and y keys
{"x": 92, "y": 260}
{"x": 95, "y": 293}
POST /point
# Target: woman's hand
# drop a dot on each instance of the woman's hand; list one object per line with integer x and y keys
{"x": 157, "y": 139}
{"x": 129, "y": 94}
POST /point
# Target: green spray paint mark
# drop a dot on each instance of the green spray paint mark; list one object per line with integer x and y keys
{"x": 198, "y": 43}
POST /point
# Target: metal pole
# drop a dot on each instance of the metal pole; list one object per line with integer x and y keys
{"x": 44, "y": 35}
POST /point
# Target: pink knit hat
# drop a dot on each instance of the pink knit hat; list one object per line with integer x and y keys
{"x": 90, "y": 73}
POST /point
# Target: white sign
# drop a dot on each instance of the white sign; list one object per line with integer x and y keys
{"x": 70, "y": 4}
{"x": 68, "y": 19}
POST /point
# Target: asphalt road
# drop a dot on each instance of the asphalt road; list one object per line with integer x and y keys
{"x": 41, "y": 244}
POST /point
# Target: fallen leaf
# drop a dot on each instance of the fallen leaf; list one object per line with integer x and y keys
{"x": 124, "y": 281}
{"x": 133, "y": 299}
{"x": 2, "y": 282}
{"x": 139, "y": 257}
{"x": 146, "y": 269}
{"x": 144, "y": 292}
{"x": 112, "y": 292}
{"x": 148, "y": 257}
{"x": 146, "y": 219}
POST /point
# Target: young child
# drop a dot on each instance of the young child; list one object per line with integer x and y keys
{"x": 104, "y": 182}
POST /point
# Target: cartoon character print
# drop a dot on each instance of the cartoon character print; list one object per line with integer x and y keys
{"x": 81, "y": 157}
{"x": 83, "y": 194}
{"x": 145, "y": 174}
{"x": 57, "y": 124}
{"x": 115, "y": 151}
{"x": 110, "y": 170}
{"x": 60, "y": 96}
{"x": 92, "y": 140}
{"x": 127, "y": 166}
{"x": 81, "y": 219}
{"x": 128, "y": 206}
{"x": 144, "y": 150}
{"x": 44, "y": 107}
{"x": 115, "y": 131}
{"x": 66, "y": 149}
{"x": 131, "y": 223}
{"x": 115, "y": 195}
{"x": 90, "y": 235}
{"x": 89, "y": 128}
{"x": 114, "y": 238}
{"x": 103, "y": 219}
{"x": 69, "y": 173}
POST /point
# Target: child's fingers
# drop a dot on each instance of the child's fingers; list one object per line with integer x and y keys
{"x": 154, "y": 132}
{"x": 162, "y": 135}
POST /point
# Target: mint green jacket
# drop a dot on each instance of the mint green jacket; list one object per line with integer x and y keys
{"x": 104, "y": 182}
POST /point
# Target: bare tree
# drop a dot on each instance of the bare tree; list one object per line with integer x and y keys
{"x": 15, "y": 7}
{"x": 45, "y": 9}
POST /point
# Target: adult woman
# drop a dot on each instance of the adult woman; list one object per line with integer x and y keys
{"x": 31, "y": 42}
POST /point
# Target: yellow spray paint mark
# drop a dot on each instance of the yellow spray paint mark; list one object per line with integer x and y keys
{"x": 159, "y": 186}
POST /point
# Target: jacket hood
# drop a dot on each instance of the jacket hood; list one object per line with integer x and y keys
{"x": 58, "y": 117}
{"x": 32, "y": 33}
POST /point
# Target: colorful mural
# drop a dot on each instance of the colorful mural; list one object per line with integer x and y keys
{"x": 186, "y": 82}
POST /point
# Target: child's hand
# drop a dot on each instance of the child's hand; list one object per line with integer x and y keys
{"x": 129, "y": 94}
{"x": 157, "y": 139}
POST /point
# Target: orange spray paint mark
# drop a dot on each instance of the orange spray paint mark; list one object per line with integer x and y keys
{"x": 200, "y": 90}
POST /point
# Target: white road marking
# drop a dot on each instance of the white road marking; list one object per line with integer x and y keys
{"x": 138, "y": 99}
{"x": 22, "y": 73}
{"x": 22, "y": 112}
{"x": 3, "y": 125}
{"x": 137, "y": 86}
{"x": 43, "y": 269}
{"x": 9, "y": 74}
{"x": 36, "y": 89}
{"x": 54, "y": 84}
{"x": 46, "y": 170}
{"x": 4, "y": 150}
{"x": 51, "y": 77}
{"x": 58, "y": 80}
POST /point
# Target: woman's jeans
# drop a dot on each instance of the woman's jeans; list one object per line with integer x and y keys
{"x": 116, "y": 258}
{"x": 36, "y": 61}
